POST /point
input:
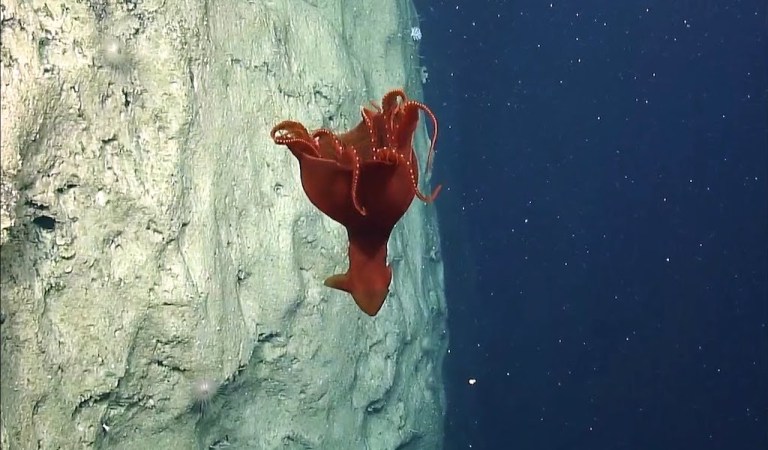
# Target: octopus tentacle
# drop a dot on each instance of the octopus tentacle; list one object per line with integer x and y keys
{"x": 428, "y": 198}
{"x": 430, "y": 156}
{"x": 289, "y": 133}
{"x": 433, "y": 139}
{"x": 355, "y": 180}
{"x": 337, "y": 145}
{"x": 391, "y": 98}
{"x": 288, "y": 125}
{"x": 393, "y": 110}
{"x": 368, "y": 119}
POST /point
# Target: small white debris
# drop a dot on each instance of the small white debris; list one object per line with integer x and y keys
{"x": 424, "y": 75}
{"x": 416, "y": 34}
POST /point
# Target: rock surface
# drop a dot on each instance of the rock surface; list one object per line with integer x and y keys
{"x": 153, "y": 237}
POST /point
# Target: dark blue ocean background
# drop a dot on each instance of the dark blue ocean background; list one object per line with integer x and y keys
{"x": 604, "y": 221}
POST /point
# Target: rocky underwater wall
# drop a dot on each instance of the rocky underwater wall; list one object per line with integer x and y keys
{"x": 161, "y": 270}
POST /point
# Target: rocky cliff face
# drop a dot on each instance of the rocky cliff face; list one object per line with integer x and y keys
{"x": 155, "y": 239}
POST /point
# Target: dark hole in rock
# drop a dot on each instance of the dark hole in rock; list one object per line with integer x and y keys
{"x": 45, "y": 222}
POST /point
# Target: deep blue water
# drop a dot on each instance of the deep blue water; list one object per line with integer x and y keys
{"x": 604, "y": 220}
